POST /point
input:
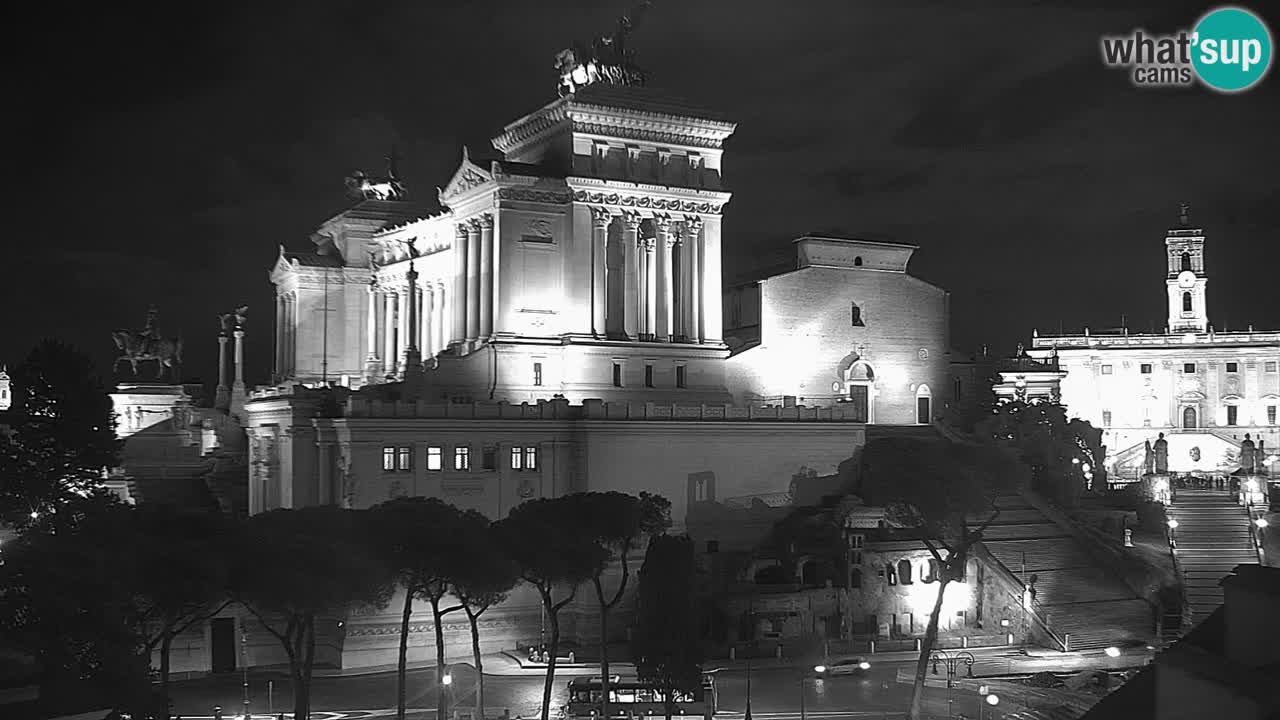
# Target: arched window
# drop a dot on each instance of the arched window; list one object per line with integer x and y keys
{"x": 904, "y": 571}
{"x": 890, "y": 576}
{"x": 856, "y": 313}
{"x": 855, "y": 578}
{"x": 1186, "y": 261}
{"x": 930, "y": 573}
{"x": 1186, "y": 302}
{"x": 857, "y": 261}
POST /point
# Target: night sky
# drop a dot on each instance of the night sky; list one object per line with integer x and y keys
{"x": 164, "y": 150}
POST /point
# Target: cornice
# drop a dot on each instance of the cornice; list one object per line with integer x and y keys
{"x": 591, "y": 184}
{"x": 648, "y": 202}
{"x": 657, "y": 132}
{"x": 533, "y": 127}
{"x": 524, "y": 194}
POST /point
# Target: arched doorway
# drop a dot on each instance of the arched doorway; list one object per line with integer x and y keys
{"x": 859, "y": 380}
{"x": 1189, "y": 418}
{"x": 924, "y": 405}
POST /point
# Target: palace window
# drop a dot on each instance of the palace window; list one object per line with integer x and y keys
{"x": 531, "y": 458}
{"x": 890, "y": 575}
{"x": 857, "y": 261}
{"x": 388, "y": 459}
{"x": 1106, "y": 418}
{"x": 1232, "y": 415}
{"x": 855, "y": 578}
{"x": 648, "y": 376}
{"x": 517, "y": 456}
{"x": 1233, "y": 367}
{"x": 1186, "y": 261}
{"x": 1271, "y": 414}
{"x": 680, "y": 376}
{"x": 537, "y": 373}
{"x": 435, "y": 458}
{"x": 1106, "y": 369}
{"x": 1186, "y": 302}
{"x": 1269, "y": 366}
{"x": 904, "y": 572}
{"x": 856, "y": 313}
{"x": 617, "y": 374}
{"x": 489, "y": 457}
{"x": 404, "y": 459}
{"x": 1145, "y": 368}
{"x": 1188, "y": 368}
{"x": 462, "y": 458}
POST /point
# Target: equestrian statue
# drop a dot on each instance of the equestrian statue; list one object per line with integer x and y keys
{"x": 605, "y": 59}
{"x": 147, "y": 344}
{"x": 364, "y": 187}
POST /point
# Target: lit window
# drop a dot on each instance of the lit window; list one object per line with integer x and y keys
{"x": 489, "y": 457}
{"x": 462, "y": 458}
{"x": 1106, "y": 369}
{"x": 388, "y": 458}
{"x": 404, "y": 461}
{"x": 435, "y": 457}
{"x": 537, "y": 373}
{"x": 856, "y": 314}
{"x": 1233, "y": 367}
{"x": 531, "y": 458}
{"x": 1145, "y": 368}
{"x": 516, "y": 455}
{"x": 1271, "y": 414}
{"x": 1232, "y": 411}
{"x": 1188, "y": 368}
{"x": 1186, "y": 302}
{"x": 889, "y": 575}
{"x": 648, "y": 376}
{"x": 1106, "y": 418}
{"x": 680, "y": 376}
{"x": 617, "y": 374}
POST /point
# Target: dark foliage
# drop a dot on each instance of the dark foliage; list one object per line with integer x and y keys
{"x": 666, "y": 647}
{"x": 1055, "y": 448}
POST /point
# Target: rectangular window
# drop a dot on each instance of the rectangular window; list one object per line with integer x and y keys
{"x": 1271, "y": 414}
{"x": 680, "y": 376}
{"x": 1232, "y": 415}
{"x": 1106, "y": 369}
{"x": 617, "y": 374}
{"x": 537, "y": 373}
{"x": 388, "y": 459}
{"x": 489, "y": 457}
{"x": 648, "y": 376}
{"x": 1269, "y": 366}
{"x": 405, "y": 459}
{"x": 435, "y": 457}
{"x": 1233, "y": 367}
{"x": 1189, "y": 368}
{"x": 516, "y": 455}
{"x": 1106, "y": 418}
{"x": 713, "y": 546}
{"x": 1145, "y": 368}
{"x": 531, "y": 458}
{"x": 462, "y": 458}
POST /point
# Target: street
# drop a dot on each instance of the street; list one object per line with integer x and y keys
{"x": 775, "y": 695}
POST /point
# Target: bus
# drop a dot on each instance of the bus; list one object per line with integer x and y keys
{"x": 637, "y": 699}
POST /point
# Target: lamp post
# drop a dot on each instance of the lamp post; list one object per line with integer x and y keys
{"x": 244, "y": 665}
{"x": 446, "y": 686}
{"x": 951, "y": 661}
{"x": 1173, "y": 539}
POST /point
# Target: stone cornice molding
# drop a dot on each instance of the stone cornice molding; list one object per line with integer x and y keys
{"x": 576, "y": 183}
{"x": 522, "y": 194}
{"x": 647, "y": 202}
{"x": 533, "y": 127}
{"x": 648, "y": 125}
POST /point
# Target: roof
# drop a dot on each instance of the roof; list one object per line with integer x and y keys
{"x": 850, "y": 239}
{"x": 313, "y": 259}
{"x": 643, "y": 99}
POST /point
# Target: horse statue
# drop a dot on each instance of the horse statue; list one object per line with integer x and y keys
{"x": 364, "y": 187}
{"x": 606, "y": 59}
{"x": 137, "y": 347}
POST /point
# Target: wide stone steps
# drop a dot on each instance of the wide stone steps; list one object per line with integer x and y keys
{"x": 1212, "y": 538}
{"x": 1036, "y": 555}
{"x": 1094, "y": 625}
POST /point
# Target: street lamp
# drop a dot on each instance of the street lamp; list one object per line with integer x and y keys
{"x": 992, "y": 700}
{"x": 1112, "y": 652}
{"x": 951, "y": 662}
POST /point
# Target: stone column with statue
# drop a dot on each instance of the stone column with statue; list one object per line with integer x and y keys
{"x": 238, "y": 394}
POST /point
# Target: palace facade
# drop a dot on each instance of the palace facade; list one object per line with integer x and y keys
{"x": 1206, "y": 390}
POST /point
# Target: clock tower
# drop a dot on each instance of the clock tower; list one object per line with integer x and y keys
{"x": 1186, "y": 280}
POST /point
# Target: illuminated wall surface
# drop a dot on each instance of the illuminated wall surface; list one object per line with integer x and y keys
{"x": 1202, "y": 388}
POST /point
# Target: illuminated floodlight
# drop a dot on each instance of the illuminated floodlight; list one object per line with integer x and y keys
{"x": 1075, "y": 461}
{"x": 864, "y": 665}
{"x": 1260, "y": 522}
{"x": 1112, "y": 651}
{"x": 819, "y": 668}
{"x": 1172, "y": 524}
{"x": 35, "y": 514}
{"x": 447, "y": 679}
{"x": 1085, "y": 467}
{"x": 993, "y": 699}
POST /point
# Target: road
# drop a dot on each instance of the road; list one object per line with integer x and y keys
{"x": 775, "y": 695}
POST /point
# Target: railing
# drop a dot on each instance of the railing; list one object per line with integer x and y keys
{"x": 1182, "y": 583}
{"x": 595, "y": 409}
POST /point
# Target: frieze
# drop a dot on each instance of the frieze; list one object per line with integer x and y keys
{"x": 538, "y": 196}
{"x": 644, "y": 201}
{"x": 539, "y": 227}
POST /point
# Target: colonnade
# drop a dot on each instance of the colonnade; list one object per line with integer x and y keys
{"x": 661, "y": 275}
{"x": 392, "y": 317}
{"x": 286, "y": 334}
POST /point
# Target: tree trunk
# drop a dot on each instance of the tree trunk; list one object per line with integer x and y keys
{"x": 926, "y": 648}
{"x": 475, "y": 653}
{"x": 309, "y": 630}
{"x": 441, "y": 688}
{"x": 166, "y": 644}
{"x": 404, "y": 652}
{"x": 604, "y": 662}
{"x": 553, "y": 616}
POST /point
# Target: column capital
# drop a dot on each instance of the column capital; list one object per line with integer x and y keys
{"x": 631, "y": 220}
{"x": 460, "y": 229}
{"x": 648, "y": 244}
{"x": 673, "y": 239}
{"x": 601, "y": 217}
{"x": 693, "y": 224}
{"x": 473, "y": 225}
{"x": 662, "y": 222}
{"x": 485, "y": 220}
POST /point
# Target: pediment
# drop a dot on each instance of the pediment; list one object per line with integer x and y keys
{"x": 1190, "y": 395}
{"x": 281, "y": 269}
{"x": 467, "y": 177}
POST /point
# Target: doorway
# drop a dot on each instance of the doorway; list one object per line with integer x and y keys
{"x": 222, "y": 645}
{"x": 858, "y": 397}
{"x": 923, "y": 414}
{"x": 1188, "y": 418}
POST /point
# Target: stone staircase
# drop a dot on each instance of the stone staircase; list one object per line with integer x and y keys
{"x": 1076, "y": 594}
{"x": 1212, "y": 538}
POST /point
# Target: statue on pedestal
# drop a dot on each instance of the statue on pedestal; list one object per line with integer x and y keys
{"x": 147, "y": 344}
{"x": 1162, "y": 455}
{"x": 606, "y": 60}
{"x": 1248, "y": 455}
{"x": 1148, "y": 460}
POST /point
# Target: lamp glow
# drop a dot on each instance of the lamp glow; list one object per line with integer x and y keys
{"x": 1261, "y": 522}
{"x": 819, "y": 668}
{"x": 864, "y": 665}
{"x": 1112, "y": 652}
{"x": 1085, "y": 467}
{"x": 993, "y": 699}
{"x": 447, "y": 679}
{"x": 1172, "y": 524}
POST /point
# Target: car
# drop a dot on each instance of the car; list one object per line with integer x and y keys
{"x": 843, "y": 666}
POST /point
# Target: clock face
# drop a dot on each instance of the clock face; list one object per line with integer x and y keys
{"x": 1186, "y": 279}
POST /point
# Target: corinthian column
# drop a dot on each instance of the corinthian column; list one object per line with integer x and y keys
{"x": 600, "y": 219}
{"x": 279, "y": 336}
{"x": 388, "y": 332}
{"x": 650, "y": 324}
{"x": 633, "y": 292}
{"x": 691, "y": 256}
{"x": 486, "y": 275}
{"x": 428, "y": 320}
{"x": 459, "y": 292}
{"x": 664, "y": 241}
{"x": 371, "y": 334}
{"x": 441, "y": 324}
{"x": 473, "y": 280}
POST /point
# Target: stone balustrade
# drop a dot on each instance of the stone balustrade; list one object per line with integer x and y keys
{"x": 590, "y": 409}
{"x": 1164, "y": 339}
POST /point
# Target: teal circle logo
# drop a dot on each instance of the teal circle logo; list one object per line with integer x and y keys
{"x": 1231, "y": 49}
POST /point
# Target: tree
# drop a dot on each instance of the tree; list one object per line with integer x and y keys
{"x": 933, "y": 488}
{"x": 424, "y": 540}
{"x": 64, "y": 440}
{"x": 485, "y": 580}
{"x": 297, "y": 564}
{"x": 1064, "y": 455}
{"x": 542, "y": 537}
{"x": 666, "y": 647}
{"x": 181, "y": 576}
{"x": 615, "y": 522}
